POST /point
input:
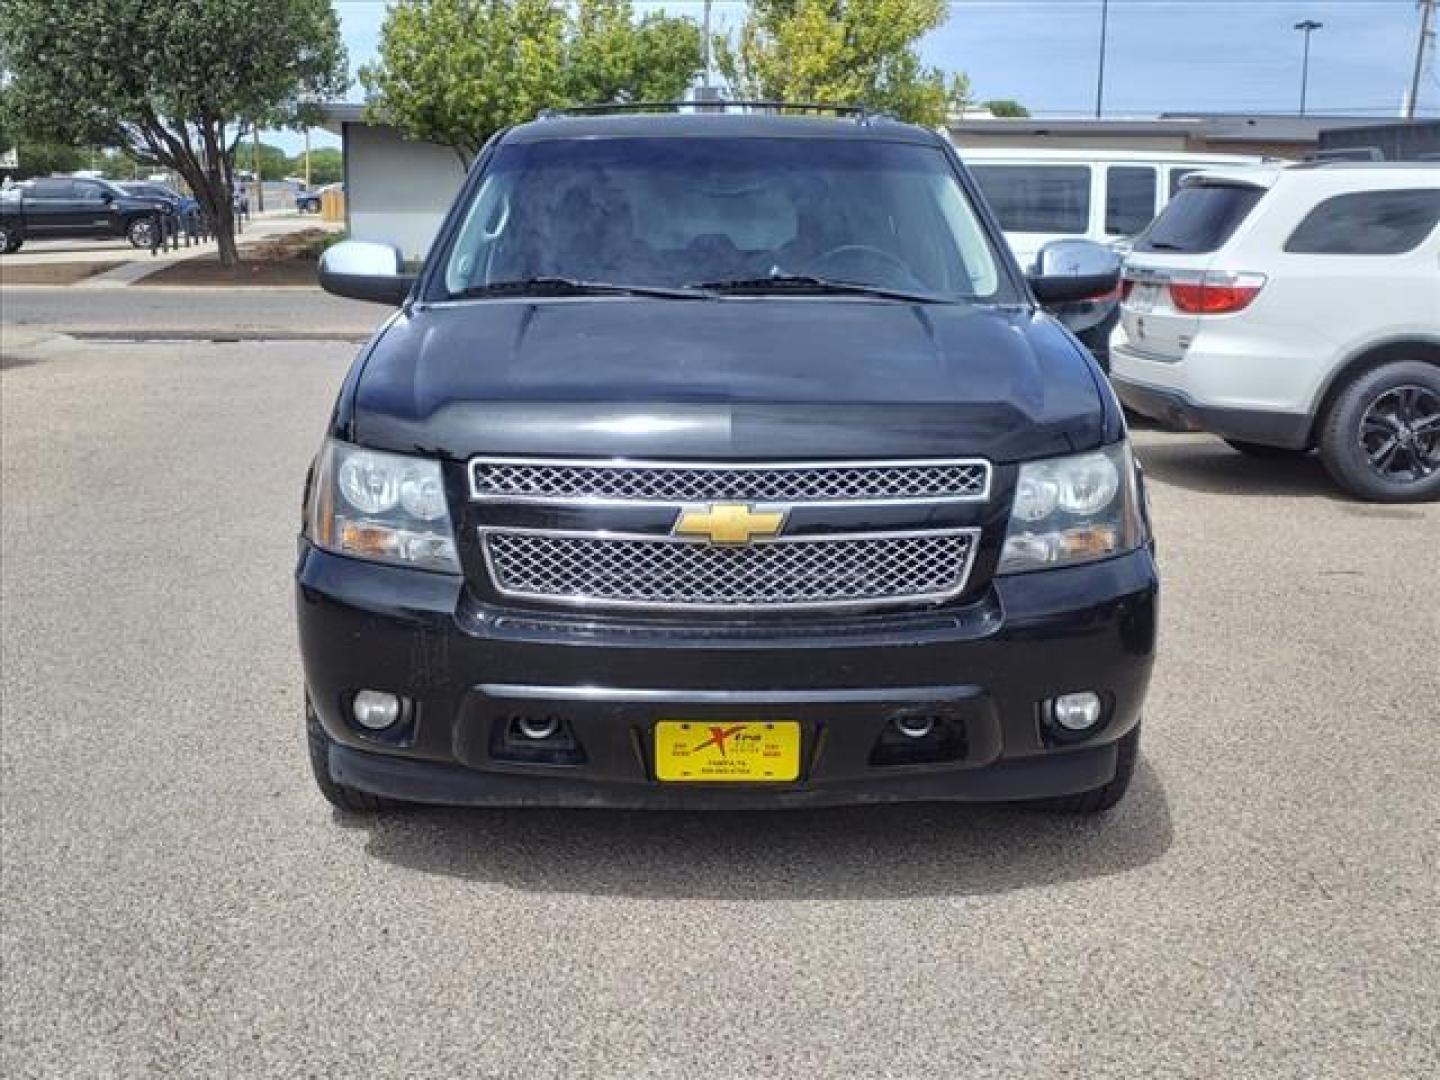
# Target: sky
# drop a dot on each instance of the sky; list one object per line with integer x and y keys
{"x": 1161, "y": 55}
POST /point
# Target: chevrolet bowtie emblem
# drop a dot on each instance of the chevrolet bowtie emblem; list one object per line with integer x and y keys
{"x": 729, "y": 523}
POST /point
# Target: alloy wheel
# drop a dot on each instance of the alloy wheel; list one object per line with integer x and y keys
{"x": 1400, "y": 434}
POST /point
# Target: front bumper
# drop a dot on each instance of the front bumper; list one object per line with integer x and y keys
{"x": 469, "y": 668}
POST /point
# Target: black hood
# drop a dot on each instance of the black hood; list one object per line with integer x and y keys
{"x": 727, "y": 379}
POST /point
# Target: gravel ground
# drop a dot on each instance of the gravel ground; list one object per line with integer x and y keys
{"x": 177, "y": 899}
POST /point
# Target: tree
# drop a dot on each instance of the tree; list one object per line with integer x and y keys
{"x": 43, "y": 159}
{"x": 327, "y": 166}
{"x": 1006, "y": 107}
{"x": 457, "y": 71}
{"x": 177, "y": 85}
{"x": 843, "y": 52}
{"x": 611, "y": 57}
{"x": 274, "y": 162}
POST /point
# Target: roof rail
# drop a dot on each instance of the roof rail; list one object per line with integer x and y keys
{"x": 862, "y": 113}
{"x": 1344, "y": 153}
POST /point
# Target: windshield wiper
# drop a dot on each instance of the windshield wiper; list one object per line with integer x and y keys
{"x": 563, "y": 286}
{"x": 808, "y": 284}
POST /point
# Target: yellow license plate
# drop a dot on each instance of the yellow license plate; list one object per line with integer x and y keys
{"x": 757, "y": 751}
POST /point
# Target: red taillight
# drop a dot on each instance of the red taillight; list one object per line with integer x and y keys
{"x": 1216, "y": 296}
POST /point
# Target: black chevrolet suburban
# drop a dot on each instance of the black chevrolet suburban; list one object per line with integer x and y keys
{"x": 723, "y": 460}
{"x": 76, "y": 208}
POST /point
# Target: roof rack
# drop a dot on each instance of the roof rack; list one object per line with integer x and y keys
{"x": 862, "y": 113}
{"x": 1335, "y": 154}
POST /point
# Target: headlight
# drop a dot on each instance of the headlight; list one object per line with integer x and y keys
{"x": 1073, "y": 510}
{"x": 386, "y": 507}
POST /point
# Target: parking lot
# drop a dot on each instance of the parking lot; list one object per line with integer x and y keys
{"x": 179, "y": 900}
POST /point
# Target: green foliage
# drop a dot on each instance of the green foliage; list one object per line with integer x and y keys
{"x": 327, "y": 166}
{"x": 456, "y": 71}
{"x": 274, "y": 162}
{"x": 42, "y": 159}
{"x": 1006, "y": 107}
{"x": 611, "y": 57}
{"x": 175, "y": 84}
{"x": 843, "y": 52}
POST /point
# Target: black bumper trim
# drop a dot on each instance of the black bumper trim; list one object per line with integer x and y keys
{"x": 1177, "y": 409}
{"x": 822, "y": 696}
{"x": 453, "y": 785}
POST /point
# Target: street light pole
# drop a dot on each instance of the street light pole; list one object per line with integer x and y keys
{"x": 1100, "y": 75}
{"x": 1427, "y": 8}
{"x": 1307, "y": 27}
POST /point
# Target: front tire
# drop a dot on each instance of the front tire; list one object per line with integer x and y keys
{"x": 9, "y": 241}
{"x": 341, "y": 796}
{"x": 1380, "y": 439}
{"x": 1107, "y": 796}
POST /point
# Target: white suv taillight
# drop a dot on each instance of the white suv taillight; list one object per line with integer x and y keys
{"x": 1216, "y": 293}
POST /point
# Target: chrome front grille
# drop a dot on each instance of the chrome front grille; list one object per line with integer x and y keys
{"x": 861, "y": 569}
{"x": 561, "y": 481}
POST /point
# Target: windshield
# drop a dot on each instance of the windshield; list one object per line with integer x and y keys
{"x": 673, "y": 212}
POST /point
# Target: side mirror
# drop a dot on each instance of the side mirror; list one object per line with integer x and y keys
{"x": 362, "y": 270}
{"x": 1070, "y": 270}
{"x": 106, "y": 197}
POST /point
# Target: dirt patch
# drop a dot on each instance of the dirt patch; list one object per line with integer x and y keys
{"x": 57, "y": 273}
{"x": 276, "y": 260}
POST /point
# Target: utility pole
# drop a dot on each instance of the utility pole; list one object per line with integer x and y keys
{"x": 255, "y": 163}
{"x": 307, "y": 157}
{"x": 1427, "y": 9}
{"x": 1307, "y": 27}
{"x": 709, "y": 48}
{"x": 1100, "y": 76}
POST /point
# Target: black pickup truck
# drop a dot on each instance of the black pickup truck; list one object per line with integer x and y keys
{"x": 65, "y": 207}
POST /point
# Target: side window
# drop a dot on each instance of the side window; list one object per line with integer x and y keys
{"x": 88, "y": 191}
{"x": 52, "y": 187}
{"x": 1177, "y": 177}
{"x": 1368, "y": 223}
{"x": 1037, "y": 198}
{"x": 1129, "y": 199}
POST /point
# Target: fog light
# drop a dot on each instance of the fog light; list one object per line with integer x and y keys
{"x": 375, "y": 710}
{"x": 1076, "y": 712}
{"x": 915, "y": 727}
{"x": 538, "y": 728}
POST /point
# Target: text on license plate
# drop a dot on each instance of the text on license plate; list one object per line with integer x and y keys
{"x": 757, "y": 751}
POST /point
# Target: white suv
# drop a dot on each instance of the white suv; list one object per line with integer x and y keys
{"x": 1295, "y": 308}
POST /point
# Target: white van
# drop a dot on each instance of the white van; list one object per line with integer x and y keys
{"x": 1107, "y": 196}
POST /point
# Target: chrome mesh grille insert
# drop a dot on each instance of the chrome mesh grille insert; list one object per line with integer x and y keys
{"x": 561, "y": 481}
{"x": 860, "y": 569}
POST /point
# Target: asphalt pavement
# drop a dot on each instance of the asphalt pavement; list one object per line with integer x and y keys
{"x": 157, "y": 311}
{"x": 177, "y": 900}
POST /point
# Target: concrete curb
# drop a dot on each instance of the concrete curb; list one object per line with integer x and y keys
{"x": 26, "y": 342}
